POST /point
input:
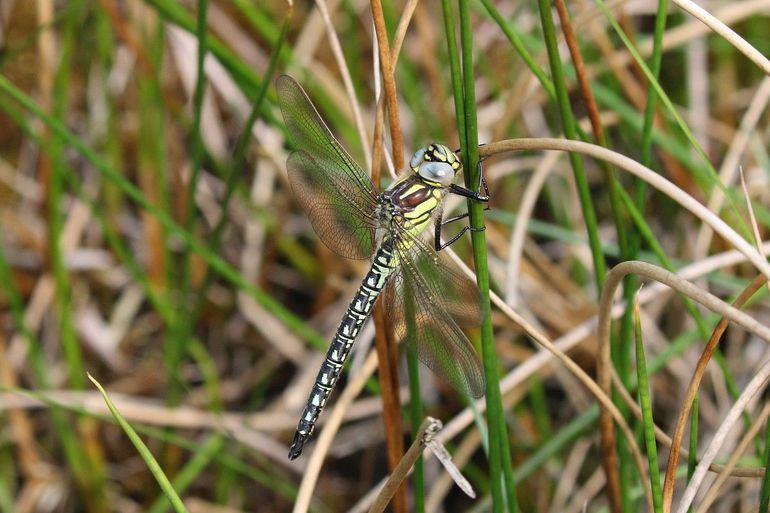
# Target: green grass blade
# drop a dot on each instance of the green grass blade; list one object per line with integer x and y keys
{"x": 415, "y": 419}
{"x": 204, "y": 454}
{"x": 649, "y": 108}
{"x": 648, "y": 422}
{"x": 501, "y": 468}
{"x": 144, "y": 452}
{"x": 568, "y": 125}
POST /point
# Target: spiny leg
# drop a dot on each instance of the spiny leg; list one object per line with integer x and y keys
{"x": 461, "y": 191}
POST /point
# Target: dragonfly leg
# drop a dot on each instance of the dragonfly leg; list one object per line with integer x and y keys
{"x": 462, "y": 191}
{"x": 439, "y": 246}
{"x": 467, "y": 193}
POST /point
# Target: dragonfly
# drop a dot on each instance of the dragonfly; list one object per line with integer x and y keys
{"x": 428, "y": 299}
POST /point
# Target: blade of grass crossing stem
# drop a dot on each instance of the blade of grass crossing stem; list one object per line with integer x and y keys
{"x": 143, "y": 451}
{"x": 558, "y": 442}
{"x": 500, "y": 455}
{"x": 647, "y": 420}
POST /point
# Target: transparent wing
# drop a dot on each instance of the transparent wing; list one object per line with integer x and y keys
{"x": 337, "y": 195}
{"x": 427, "y": 301}
{"x": 341, "y": 219}
{"x": 444, "y": 281}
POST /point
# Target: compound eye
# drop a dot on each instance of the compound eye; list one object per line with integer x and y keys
{"x": 417, "y": 158}
{"x": 439, "y": 172}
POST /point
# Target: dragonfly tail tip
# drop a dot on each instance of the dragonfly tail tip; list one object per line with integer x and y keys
{"x": 296, "y": 445}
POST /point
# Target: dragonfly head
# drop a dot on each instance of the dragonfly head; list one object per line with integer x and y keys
{"x": 436, "y": 164}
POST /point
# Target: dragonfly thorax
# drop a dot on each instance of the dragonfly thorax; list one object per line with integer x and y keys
{"x": 408, "y": 205}
{"x": 410, "y": 202}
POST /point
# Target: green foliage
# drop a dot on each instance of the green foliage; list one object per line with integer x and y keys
{"x": 148, "y": 236}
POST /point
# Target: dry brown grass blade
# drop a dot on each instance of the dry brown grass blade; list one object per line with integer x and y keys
{"x": 729, "y": 35}
{"x": 386, "y": 345}
{"x": 580, "y": 70}
{"x": 614, "y": 278}
{"x": 389, "y": 84}
{"x": 395, "y": 482}
{"x": 748, "y": 437}
{"x": 700, "y": 368}
{"x": 754, "y": 387}
{"x": 387, "y": 354}
{"x": 379, "y": 119}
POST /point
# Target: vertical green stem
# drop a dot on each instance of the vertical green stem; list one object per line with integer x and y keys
{"x": 415, "y": 419}
{"x": 649, "y": 108}
{"x": 70, "y": 345}
{"x": 647, "y": 418}
{"x": 692, "y": 457}
{"x": 183, "y": 328}
{"x": 87, "y": 467}
{"x": 568, "y": 125}
{"x": 499, "y": 451}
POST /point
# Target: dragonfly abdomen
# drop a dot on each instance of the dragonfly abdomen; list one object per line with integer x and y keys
{"x": 355, "y": 316}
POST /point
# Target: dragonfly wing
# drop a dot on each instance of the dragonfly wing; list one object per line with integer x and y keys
{"x": 340, "y": 214}
{"x": 337, "y": 195}
{"x": 442, "y": 280}
{"x": 427, "y": 321}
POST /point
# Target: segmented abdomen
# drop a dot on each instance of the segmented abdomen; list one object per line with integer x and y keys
{"x": 358, "y": 311}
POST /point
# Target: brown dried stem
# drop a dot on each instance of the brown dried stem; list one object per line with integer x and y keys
{"x": 385, "y": 345}
{"x": 673, "y": 456}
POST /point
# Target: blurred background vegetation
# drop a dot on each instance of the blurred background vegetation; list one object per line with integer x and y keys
{"x": 148, "y": 237}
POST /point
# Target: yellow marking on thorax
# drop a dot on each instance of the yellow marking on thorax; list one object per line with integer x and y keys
{"x": 419, "y": 218}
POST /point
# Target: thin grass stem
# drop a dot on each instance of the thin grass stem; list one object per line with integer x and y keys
{"x": 648, "y": 422}
{"x": 501, "y": 468}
